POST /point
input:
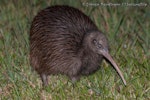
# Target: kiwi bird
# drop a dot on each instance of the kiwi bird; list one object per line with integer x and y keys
{"x": 63, "y": 40}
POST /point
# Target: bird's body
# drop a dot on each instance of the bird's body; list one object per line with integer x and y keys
{"x": 61, "y": 42}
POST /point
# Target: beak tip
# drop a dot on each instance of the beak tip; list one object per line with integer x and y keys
{"x": 125, "y": 83}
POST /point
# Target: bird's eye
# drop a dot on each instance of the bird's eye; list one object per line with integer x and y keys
{"x": 99, "y": 45}
{"x": 95, "y": 42}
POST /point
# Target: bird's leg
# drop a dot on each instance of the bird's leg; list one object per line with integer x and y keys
{"x": 75, "y": 78}
{"x": 74, "y": 70}
{"x": 44, "y": 79}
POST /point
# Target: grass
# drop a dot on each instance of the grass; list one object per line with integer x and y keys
{"x": 128, "y": 32}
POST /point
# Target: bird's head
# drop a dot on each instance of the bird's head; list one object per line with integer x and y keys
{"x": 97, "y": 42}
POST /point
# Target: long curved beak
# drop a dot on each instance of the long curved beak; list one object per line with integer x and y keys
{"x": 109, "y": 58}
